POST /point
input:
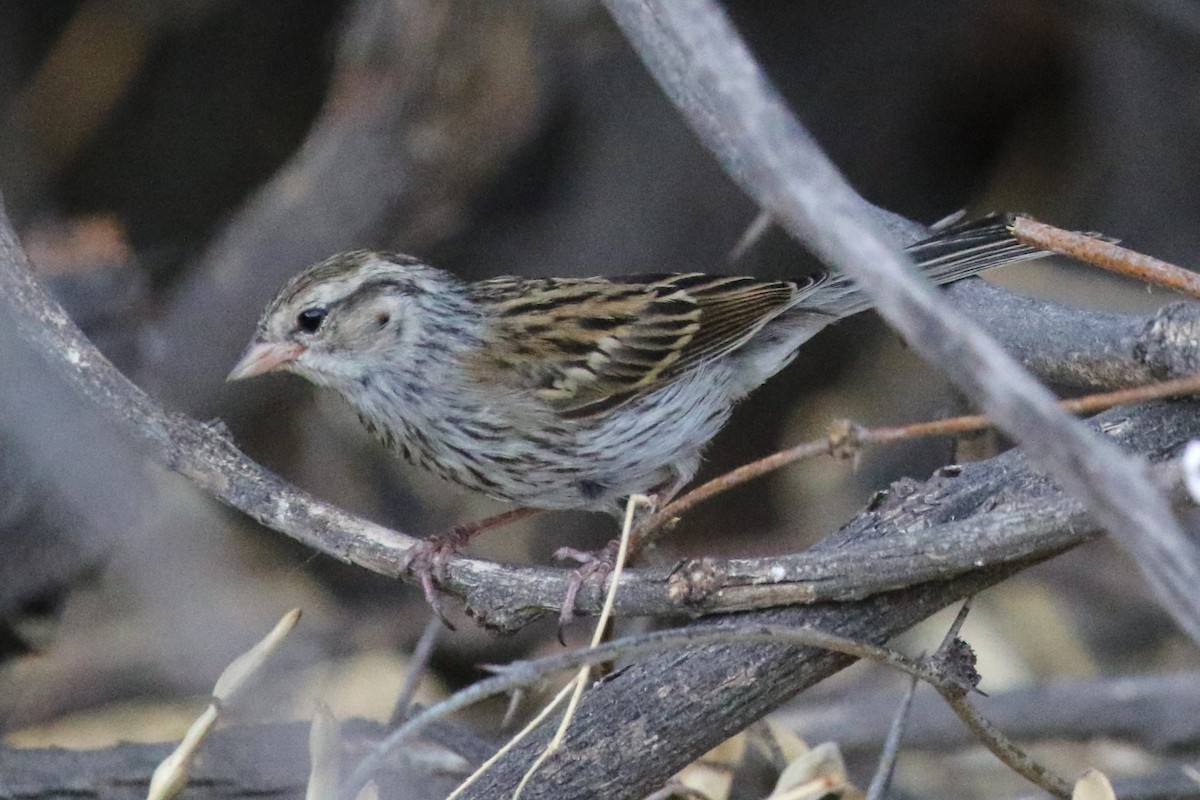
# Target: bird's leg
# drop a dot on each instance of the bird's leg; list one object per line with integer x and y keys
{"x": 594, "y": 567}
{"x": 429, "y": 559}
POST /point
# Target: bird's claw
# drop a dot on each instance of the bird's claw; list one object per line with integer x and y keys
{"x": 429, "y": 561}
{"x": 594, "y": 567}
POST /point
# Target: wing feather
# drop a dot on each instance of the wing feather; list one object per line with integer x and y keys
{"x": 588, "y": 344}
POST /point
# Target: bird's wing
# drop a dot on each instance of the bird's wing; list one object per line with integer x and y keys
{"x": 585, "y": 345}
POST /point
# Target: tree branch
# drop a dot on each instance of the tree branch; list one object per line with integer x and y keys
{"x": 1157, "y": 712}
{"x": 708, "y": 72}
{"x": 1085, "y": 351}
{"x": 509, "y": 596}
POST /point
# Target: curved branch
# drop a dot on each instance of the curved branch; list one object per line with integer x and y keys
{"x": 711, "y": 76}
{"x": 1035, "y": 524}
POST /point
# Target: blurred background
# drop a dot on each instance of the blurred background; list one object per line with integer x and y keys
{"x": 168, "y": 165}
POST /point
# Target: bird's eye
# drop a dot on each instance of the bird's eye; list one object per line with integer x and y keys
{"x": 310, "y": 319}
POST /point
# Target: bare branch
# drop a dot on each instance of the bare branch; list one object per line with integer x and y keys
{"x": 1107, "y": 255}
{"x": 509, "y": 596}
{"x": 1160, "y": 713}
{"x": 708, "y": 72}
{"x": 847, "y": 439}
{"x": 244, "y": 761}
{"x": 1085, "y": 351}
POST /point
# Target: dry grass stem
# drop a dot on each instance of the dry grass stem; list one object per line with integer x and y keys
{"x": 508, "y": 746}
{"x": 575, "y": 687}
{"x": 580, "y": 681}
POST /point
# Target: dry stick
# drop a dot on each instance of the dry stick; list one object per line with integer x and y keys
{"x": 891, "y": 747}
{"x": 526, "y": 673}
{"x": 416, "y": 668}
{"x": 1106, "y": 255}
{"x": 956, "y": 626}
{"x": 848, "y": 437}
{"x": 1003, "y": 748}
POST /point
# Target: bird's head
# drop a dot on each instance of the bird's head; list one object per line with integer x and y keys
{"x": 342, "y": 319}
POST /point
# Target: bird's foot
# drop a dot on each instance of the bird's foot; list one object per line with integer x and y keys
{"x": 429, "y": 559}
{"x": 429, "y": 562}
{"x": 594, "y": 567}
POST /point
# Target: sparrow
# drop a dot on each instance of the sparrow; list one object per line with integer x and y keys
{"x": 562, "y": 393}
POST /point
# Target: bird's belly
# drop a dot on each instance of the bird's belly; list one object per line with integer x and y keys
{"x": 650, "y": 443}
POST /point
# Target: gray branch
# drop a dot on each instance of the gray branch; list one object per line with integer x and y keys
{"x": 1034, "y": 525}
{"x": 684, "y": 703}
{"x": 708, "y": 72}
{"x": 1085, "y": 351}
{"x": 259, "y": 761}
{"x": 1158, "y": 712}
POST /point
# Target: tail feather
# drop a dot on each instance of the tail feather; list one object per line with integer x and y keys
{"x": 959, "y": 251}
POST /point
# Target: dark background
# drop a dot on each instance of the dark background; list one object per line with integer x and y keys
{"x": 169, "y": 164}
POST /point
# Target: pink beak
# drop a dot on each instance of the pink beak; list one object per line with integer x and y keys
{"x": 263, "y": 357}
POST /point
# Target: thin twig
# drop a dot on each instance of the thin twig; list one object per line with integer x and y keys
{"x": 504, "y": 750}
{"x": 416, "y": 669}
{"x": 956, "y": 626}
{"x": 848, "y": 437}
{"x": 958, "y": 681}
{"x": 891, "y": 747}
{"x": 1001, "y": 746}
{"x": 1106, "y": 255}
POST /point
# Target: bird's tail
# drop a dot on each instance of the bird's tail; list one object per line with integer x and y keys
{"x": 956, "y": 252}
